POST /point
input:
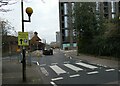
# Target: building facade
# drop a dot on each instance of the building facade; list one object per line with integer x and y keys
{"x": 108, "y": 10}
{"x": 35, "y": 43}
{"x": 57, "y": 37}
{"x": 67, "y": 30}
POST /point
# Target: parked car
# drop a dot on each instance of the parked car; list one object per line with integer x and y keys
{"x": 48, "y": 52}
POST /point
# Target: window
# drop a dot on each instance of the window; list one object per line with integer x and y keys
{"x": 62, "y": 4}
{"x": 113, "y": 16}
{"x": 62, "y": 25}
{"x": 66, "y": 33}
{"x": 66, "y": 21}
{"x": 113, "y": 4}
{"x": 105, "y": 9}
{"x": 73, "y": 8}
{"x": 105, "y": 3}
{"x": 62, "y": 18}
{"x": 62, "y": 12}
{"x": 65, "y": 8}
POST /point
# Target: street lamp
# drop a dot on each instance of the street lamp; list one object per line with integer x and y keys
{"x": 29, "y": 11}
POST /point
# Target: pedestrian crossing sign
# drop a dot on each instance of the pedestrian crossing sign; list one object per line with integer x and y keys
{"x": 23, "y": 39}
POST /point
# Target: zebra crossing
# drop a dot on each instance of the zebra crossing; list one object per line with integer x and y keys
{"x": 77, "y": 67}
{"x": 73, "y": 67}
{"x": 57, "y": 69}
{"x": 86, "y": 65}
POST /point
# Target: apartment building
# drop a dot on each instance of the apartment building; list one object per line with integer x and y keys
{"x": 108, "y": 10}
{"x": 57, "y": 37}
{"x": 67, "y": 30}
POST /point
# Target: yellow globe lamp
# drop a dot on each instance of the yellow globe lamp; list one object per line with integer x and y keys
{"x": 29, "y": 11}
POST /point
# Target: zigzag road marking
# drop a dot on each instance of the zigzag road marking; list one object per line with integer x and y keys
{"x": 94, "y": 72}
{"x": 53, "y": 83}
{"x": 109, "y": 70}
{"x": 59, "y": 78}
{"x": 74, "y": 75}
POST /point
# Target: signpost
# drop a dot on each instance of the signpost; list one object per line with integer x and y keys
{"x": 23, "y": 39}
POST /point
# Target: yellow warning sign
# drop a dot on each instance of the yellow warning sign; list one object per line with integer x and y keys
{"x": 23, "y": 39}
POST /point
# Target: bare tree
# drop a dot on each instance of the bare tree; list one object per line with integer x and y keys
{"x": 6, "y": 2}
{"x": 6, "y": 27}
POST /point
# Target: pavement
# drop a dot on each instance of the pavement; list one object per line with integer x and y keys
{"x": 104, "y": 60}
{"x": 12, "y": 73}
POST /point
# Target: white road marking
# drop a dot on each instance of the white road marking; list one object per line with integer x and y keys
{"x": 70, "y": 57}
{"x": 53, "y": 83}
{"x": 57, "y": 69}
{"x": 105, "y": 66}
{"x": 44, "y": 71}
{"x": 67, "y": 62}
{"x": 73, "y": 67}
{"x": 54, "y": 63}
{"x": 93, "y": 72}
{"x": 86, "y": 65}
{"x": 109, "y": 69}
{"x": 74, "y": 75}
{"x": 43, "y": 65}
{"x": 38, "y": 63}
{"x": 59, "y": 78}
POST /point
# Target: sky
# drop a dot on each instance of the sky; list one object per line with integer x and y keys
{"x": 44, "y": 20}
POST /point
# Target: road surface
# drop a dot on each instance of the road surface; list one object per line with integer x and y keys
{"x": 58, "y": 69}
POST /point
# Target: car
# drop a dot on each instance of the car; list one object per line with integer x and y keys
{"x": 48, "y": 52}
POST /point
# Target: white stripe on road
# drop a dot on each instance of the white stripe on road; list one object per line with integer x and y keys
{"x": 67, "y": 62}
{"x": 53, "y": 83}
{"x": 86, "y": 65}
{"x": 43, "y": 65}
{"x": 59, "y": 78}
{"x": 74, "y": 75}
{"x": 44, "y": 71}
{"x": 54, "y": 63}
{"x": 109, "y": 69}
{"x": 93, "y": 72}
{"x": 57, "y": 69}
{"x": 70, "y": 57}
{"x": 73, "y": 67}
{"x": 38, "y": 63}
{"x": 104, "y": 66}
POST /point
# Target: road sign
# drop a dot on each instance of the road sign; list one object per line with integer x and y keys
{"x": 23, "y": 39}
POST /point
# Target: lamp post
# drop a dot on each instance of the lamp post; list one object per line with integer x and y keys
{"x": 29, "y": 11}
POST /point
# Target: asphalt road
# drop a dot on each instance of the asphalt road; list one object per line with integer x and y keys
{"x": 58, "y": 69}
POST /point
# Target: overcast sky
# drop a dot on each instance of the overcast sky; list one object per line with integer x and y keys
{"x": 44, "y": 20}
